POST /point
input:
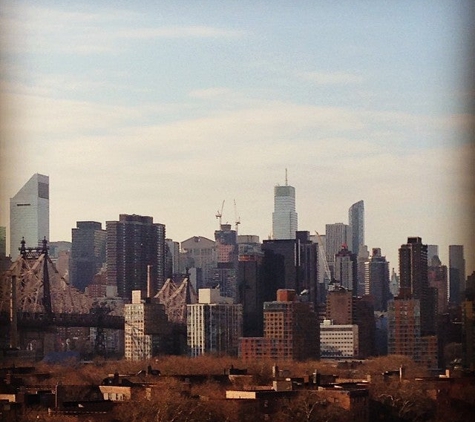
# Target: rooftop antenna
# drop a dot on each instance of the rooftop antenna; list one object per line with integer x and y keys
{"x": 286, "y": 182}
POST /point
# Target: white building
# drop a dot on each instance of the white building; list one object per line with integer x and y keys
{"x": 284, "y": 217}
{"x": 338, "y": 341}
{"x": 214, "y": 324}
{"x": 29, "y": 214}
{"x": 146, "y": 326}
{"x": 356, "y": 223}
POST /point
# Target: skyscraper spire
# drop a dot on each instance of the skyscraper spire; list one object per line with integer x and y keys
{"x": 284, "y": 217}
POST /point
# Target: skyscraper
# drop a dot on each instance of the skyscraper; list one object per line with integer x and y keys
{"x": 336, "y": 235}
{"x": 133, "y": 244}
{"x": 291, "y": 264}
{"x": 345, "y": 270}
{"x": 456, "y": 273}
{"x": 225, "y": 273}
{"x": 284, "y": 217}
{"x": 29, "y": 214}
{"x": 377, "y": 280}
{"x": 88, "y": 253}
{"x": 356, "y": 223}
{"x": 437, "y": 274}
{"x": 414, "y": 281}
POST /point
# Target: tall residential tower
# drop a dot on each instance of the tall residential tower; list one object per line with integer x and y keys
{"x": 135, "y": 245}
{"x": 356, "y": 223}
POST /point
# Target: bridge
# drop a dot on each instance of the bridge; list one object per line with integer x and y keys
{"x": 34, "y": 297}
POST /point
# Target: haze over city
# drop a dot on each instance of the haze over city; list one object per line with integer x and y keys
{"x": 167, "y": 109}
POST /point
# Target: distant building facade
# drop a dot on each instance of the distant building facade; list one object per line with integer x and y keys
{"x": 412, "y": 313}
{"x": 88, "y": 253}
{"x": 291, "y": 264}
{"x": 133, "y": 244}
{"x": 291, "y": 331}
{"x": 146, "y": 328}
{"x": 438, "y": 279}
{"x": 225, "y": 273}
{"x": 336, "y": 235}
{"x": 377, "y": 280}
{"x": 199, "y": 252}
{"x": 284, "y": 217}
{"x": 456, "y": 273}
{"x": 345, "y": 269}
{"x": 414, "y": 281}
{"x": 3, "y": 242}
{"x": 356, "y": 223}
{"x": 342, "y": 308}
{"x": 214, "y": 324}
{"x": 338, "y": 341}
{"x": 29, "y": 214}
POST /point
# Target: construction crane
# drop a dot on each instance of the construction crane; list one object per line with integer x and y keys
{"x": 219, "y": 215}
{"x": 237, "y": 219}
{"x": 323, "y": 254}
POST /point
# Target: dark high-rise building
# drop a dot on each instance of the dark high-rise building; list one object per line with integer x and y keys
{"x": 437, "y": 274}
{"x": 356, "y": 223}
{"x": 377, "y": 280}
{"x": 291, "y": 264}
{"x": 3, "y": 241}
{"x": 414, "y": 281}
{"x": 250, "y": 294}
{"x": 225, "y": 273}
{"x": 134, "y": 243}
{"x": 88, "y": 253}
{"x": 456, "y": 273}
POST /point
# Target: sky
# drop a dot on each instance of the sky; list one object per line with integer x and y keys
{"x": 169, "y": 108}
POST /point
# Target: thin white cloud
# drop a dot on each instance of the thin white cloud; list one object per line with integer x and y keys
{"x": 218, "y": 92}
{"x": 43, "y": 30}
{"x": 178, "y": 32}
{"x": 331, "y": 78}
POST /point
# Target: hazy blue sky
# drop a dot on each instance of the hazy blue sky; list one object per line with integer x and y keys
{"x": 167, "y": 108}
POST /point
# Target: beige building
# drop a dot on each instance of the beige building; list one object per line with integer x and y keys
{"x": 338, "y": 341}
{"x": 214, "y": 324}
{"x": 146, "y": 326}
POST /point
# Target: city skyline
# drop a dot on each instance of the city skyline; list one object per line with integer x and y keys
{"x": 168, "y": 110}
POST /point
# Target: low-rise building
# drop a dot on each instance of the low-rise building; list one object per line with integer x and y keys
{"x": 338, "y": 341}
{"x": 146, "y": 326}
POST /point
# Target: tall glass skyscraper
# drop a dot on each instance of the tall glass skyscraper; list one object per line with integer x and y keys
{"x": 29, "y": 214}
{"x": 356, "y": 223}
{"x": 284, "y": 217}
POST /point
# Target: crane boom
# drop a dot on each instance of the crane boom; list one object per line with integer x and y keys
{"x": 219, "y": 214}
{"x": 237, "y": 219}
